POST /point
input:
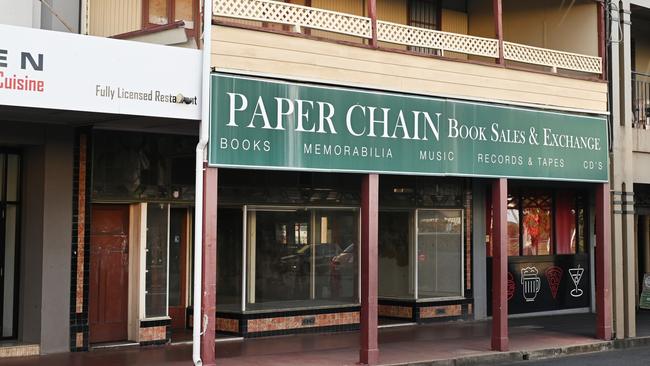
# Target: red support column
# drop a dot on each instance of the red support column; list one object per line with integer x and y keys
{"x": 369, "y": 353}
{"x": 497, "y": 9}
{"x": 209, "y": 270}
{"x": 499, "y": 265}
{"x": 372, "y": 14}
{"x": 603, "y": 263}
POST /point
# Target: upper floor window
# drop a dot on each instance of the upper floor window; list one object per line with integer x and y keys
{"x": 424, "y": 14}
{"x": 161, "y": 12}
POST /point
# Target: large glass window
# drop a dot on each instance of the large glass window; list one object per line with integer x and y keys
{"x": 157, "y": 253}
{"x": 396, "y": 241}
{"x": 229, "y": 258}
{"x": 143, "y": 167}
{"x": 536, "y": 210}
{"x": 301, "y": 257}
{"x": 440, "y": 253}
{"x": 421, "y": 252}
{"x": 543, "y": 222}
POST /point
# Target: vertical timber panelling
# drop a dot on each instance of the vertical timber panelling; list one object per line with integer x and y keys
{"x": 395, "y": 11}
{"x": 110, "y": 17}
{"x": 454, "y": 22}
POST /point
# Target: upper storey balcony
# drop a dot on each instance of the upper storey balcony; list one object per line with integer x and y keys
{"x": 640, "y": 67}
{"x": 542, "y": 52}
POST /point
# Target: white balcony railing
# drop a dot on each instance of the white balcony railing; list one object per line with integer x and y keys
{"x": 299, "y": 16}
{"x": 552, "y": 58}
{"x": 294, "y": 15}
{"x": 444, "y": 41}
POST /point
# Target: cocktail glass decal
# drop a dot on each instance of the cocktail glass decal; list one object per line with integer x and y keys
{"x": 576, "y": 276}
{"x": 530, "y": 283}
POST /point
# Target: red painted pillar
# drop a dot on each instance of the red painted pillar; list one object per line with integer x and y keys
{"x": 499, "y": 265}
{"x": 369, "y": 353}
{"x": 497, "y": 9}
{"x": 603, "y": 263}
{"x": 209, "y": 270}
{"x": 372, "y": 14}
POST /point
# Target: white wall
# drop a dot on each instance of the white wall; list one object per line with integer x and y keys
{"x": 68, "y": 10}
{"x": 24, "y": 13}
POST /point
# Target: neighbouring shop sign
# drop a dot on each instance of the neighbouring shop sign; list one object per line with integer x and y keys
{"x": 265, "y": 124}
{"x": 58, "y": 70}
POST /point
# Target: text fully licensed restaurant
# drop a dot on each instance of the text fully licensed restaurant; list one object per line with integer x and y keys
{"x": 339, "y": 206}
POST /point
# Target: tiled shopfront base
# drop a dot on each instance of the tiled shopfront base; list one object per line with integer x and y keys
{"x": 155, "y": 332}
{"x": 423, "y": 312}
{"x": 337, "y": 319}
{"x": 15, "y": 349}
{"x": 288, "y": 322}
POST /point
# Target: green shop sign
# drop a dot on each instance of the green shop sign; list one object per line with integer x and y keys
{"x": 265, "y": 124}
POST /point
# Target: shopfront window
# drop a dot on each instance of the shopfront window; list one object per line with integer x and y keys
{"x": 543, "y": 222}
{"x": 229, "y": 258}
{"x": 513, "y": 225}
{"x": 440, "y": 253}
{"x": 303, "y": 256}
{"x": 396, "y": 263}
{"x": 537, "y": 224}
{"x": 156, "y": 263}
{"x": 143, "y": 167}
{"x": 420, "y": 238}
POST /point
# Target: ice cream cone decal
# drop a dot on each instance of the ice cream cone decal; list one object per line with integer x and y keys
{"x": 553, "y": 276}
{"x": 576, "y": 276}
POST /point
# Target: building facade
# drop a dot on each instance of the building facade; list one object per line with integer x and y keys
{"x": 628, "y": 52}
{"x": 283, "y": 68}
{"x": 370, "y": 162}
{"x": 96, "y": 191}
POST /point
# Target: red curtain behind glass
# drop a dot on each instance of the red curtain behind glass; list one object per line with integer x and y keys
{"x": 565, "y": 222}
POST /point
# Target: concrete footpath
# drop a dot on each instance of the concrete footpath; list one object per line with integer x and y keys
{"x": 455, "y": 343}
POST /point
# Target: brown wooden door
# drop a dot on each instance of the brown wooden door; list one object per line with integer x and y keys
{"x": 109, "y": 273}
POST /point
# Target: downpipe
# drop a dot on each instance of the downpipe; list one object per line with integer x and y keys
{"x": 199, "y": 326}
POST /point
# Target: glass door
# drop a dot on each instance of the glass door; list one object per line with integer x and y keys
{"x": 9, "y": 223}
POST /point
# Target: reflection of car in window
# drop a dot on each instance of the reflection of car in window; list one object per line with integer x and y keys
{"x": 300, "y": 261}
{"x": 342, "y": 274}
{"x": 346, "y": 257}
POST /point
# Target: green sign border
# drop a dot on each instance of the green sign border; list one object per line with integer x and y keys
{"x": 212, "y": 156}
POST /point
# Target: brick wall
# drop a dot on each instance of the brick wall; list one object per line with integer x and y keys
{"x": 396, "y": 311}
{"x": 227, "y": 325}
{"x": 440, "y": 311}
{"x": 302, "y": 321}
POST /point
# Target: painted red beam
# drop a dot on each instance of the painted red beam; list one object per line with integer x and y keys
{"x": 209, "y": 270}
{"x": 499, "y": 265}
{"x": 369, "y": 352}
{"x": 372, "y": 14}
{"x": 497, "y": 9}
{"x": 603, "y": 263}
